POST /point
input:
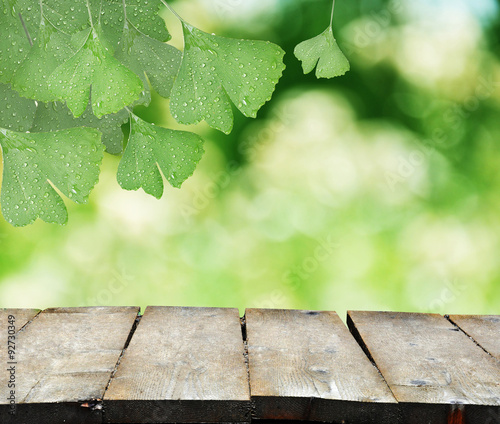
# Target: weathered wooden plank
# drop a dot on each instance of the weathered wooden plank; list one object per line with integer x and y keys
{"x": 182, "y": 365}
{"x": 11, "y": 322}
{"x": 21, "y": 318}
{"x": 65, "y": 358}
{"x": 484, "y": 329}
{"x": 435, "y": 371}
{"x": 305, "y": 365}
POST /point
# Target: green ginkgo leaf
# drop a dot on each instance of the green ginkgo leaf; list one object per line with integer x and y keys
{"x": 16, "y": 113}
{"x": 152, "y": 149}
{"x": 147, "y": 56}
{"x": 141, "y": 14}
{"x": 216, "y": 71}
{"x": 68, "y": 16}
{"x": 51, "y": 50}
{"x": 323, "y": 53}
{"x": 35, "y": 163}
{"x": 56, "y": 116}
{"x": 71, "y": 70}
{"x": 113, "y": 85}
{"x": 14, "y": 44}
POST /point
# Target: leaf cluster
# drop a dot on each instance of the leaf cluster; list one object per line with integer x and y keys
{"x": 71, "y": 73}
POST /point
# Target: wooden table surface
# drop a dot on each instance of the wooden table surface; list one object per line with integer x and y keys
{"x": 208, "y": 365}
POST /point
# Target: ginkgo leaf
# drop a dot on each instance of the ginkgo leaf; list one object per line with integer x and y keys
{"x": 144, "y": 55}
{"x": 14, "y": 44}
{"x": 323, "y": 52}
{"x": 113, "y": 85}
{"x": 141, "y": 14}
{"x": 16, "y": 113}
{"x": 152, "y": 149}
{"x": 56, "y": 116}
{"x": 72, "y": 16}
{"x": 70, "y": 71}
{"x": 35, "y": 163}
{"x": 31, "y": 77}
{"x": 30, "y": 13}
{"x": 68, "y": 16}
{"x": 216, "y": 71}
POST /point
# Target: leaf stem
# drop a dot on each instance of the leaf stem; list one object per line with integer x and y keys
{"x": 125, "y": 13}
{"x": 90, "y": 14}
{"x": 173, "y": 11}
{"x": 131, "y": 114}
{"x": 26, "y": 29}
{"x": 331, "y": 19}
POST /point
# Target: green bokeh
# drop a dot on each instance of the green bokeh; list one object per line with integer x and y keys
{"x": 379, "y": 190}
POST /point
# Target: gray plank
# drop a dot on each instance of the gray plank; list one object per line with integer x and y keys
{"x": 484, "y": 329}
{"x": 11, "y": 322}
{"x": 434, "y": 370}
{"x": 21, "y": 318}
{"x": 305, "y": 365}
{"x": 182, "y": 365}
{"x": 65, "y": 358}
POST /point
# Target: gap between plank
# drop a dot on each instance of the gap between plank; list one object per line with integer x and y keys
{"x": 355, "y": 333}
{"x": 243, "y": 324}
{"x": 468, "y": 335}
{"x": 129, "y": 338}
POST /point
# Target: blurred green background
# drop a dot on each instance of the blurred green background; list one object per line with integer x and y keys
{"x": 379, "y": 190}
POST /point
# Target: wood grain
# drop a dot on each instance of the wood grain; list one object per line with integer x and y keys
{"x": 483, "y": 329}
{"x": 65, "y": 360}
{"x": 182, "y": 365}
{"x": 435, "y": 371}
{"x": 304, "y": 365}
{"x": 187, "y": 365}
